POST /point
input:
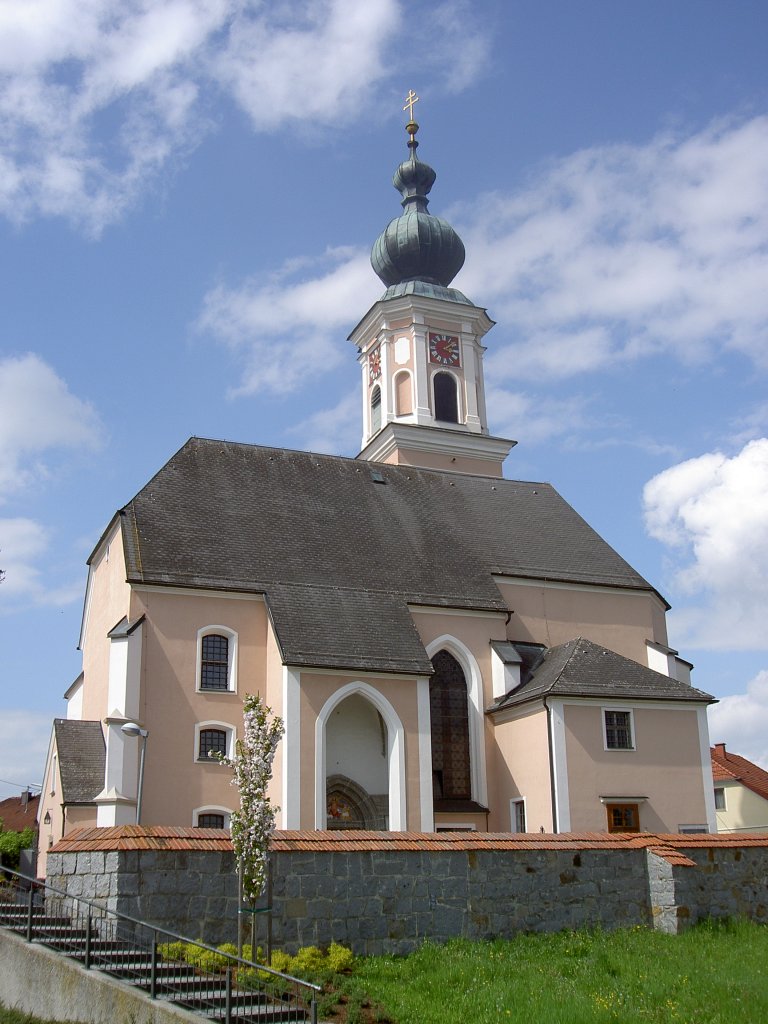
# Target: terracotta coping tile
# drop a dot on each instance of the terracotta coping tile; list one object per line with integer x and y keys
{"x": 157, "y": 837}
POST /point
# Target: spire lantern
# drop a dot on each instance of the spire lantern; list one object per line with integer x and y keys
{"x": 416, "y": 246}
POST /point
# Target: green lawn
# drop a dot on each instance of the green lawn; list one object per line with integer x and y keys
{"x": 711, "y": 974}
{"x": 17, "y": 1017}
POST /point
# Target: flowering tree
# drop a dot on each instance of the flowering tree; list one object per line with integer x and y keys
{"x": 254, "y": 823}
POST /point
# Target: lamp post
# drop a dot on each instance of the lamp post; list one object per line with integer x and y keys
{"x": 132, "y": 729}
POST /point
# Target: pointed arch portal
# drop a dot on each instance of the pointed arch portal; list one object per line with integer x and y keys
{"x": 358, "y": 733}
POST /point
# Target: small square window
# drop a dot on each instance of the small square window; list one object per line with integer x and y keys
{"x": 719, "y": 798}
{"x": 623, "y": 817}
{"x": 618, "y": 730}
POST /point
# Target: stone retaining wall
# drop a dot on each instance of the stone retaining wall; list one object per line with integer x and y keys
{"x": 389, "y": 892}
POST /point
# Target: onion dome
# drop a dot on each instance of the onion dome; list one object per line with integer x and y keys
{"x": 416, "y": 246}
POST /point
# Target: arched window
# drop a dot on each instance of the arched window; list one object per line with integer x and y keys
{"x": 403, "y": 394}
{"x": 214, "y": 662}
{"x": 446, "y": 398}
{"x": 376, "y": 410}
{"x": 211, "y": 817}
{"x": 449, "y": 711}
{"x": 217, "y": 659}
{"x": 213, "y": 738}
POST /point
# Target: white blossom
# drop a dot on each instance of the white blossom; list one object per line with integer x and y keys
{"x": 254, "y": 823}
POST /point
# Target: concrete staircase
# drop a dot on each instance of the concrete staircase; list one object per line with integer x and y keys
{"x": 105, "y": 945}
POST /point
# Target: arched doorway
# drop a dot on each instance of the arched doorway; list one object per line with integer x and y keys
{"x": 356, "y": 766}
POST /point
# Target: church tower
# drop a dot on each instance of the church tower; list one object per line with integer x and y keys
{"x": 421, "y": 344}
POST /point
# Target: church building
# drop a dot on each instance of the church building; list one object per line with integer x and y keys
{"x": 448, "y": 649}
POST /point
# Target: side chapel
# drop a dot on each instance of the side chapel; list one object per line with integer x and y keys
{"x": 448, "y": 649}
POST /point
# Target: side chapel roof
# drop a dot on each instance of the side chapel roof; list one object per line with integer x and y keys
{"x": 82, "y": 756}
{"x": 581, "y": 668}
{"x": 341, "y": 547}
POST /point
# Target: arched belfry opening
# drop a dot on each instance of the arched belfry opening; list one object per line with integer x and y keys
{"x": 446, "y": 397}
{"x": 356, "y": 766}
{"x": 449, "y": 713}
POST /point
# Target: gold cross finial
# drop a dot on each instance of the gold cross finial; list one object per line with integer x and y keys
{"x": 410, "y": 99}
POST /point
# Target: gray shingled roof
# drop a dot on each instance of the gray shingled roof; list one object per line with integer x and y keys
{"x": 339, "y": 556}
{"x": 82, "y": 754}
{"x": 580, "y": 668}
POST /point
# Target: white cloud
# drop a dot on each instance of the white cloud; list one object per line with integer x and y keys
{"x": 290, "y": 327}
{"x": 620, "y": 252}
{"x": 97, "y": 96}
{"x": 741, "y": 721}
{"x": 537, "y": 418}
{"x": 615, "y": 254}
{"x": 329, "y": 431}
{"x": 24, "y": 738}
{"x": 309, "y": 63}
{"x": 38, "y": 413}
{"x": 24, "y": 546}
{"x": 712, "y": 513}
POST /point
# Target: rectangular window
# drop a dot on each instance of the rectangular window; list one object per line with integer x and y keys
{"x": 719, "y": 798}
{"x": 618, "y": 730}
{"x": 518, "y": 816}
{"x": 623, "y": 817}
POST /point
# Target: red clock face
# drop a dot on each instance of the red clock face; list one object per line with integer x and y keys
{"x": 444, "y": 349}
{"x": 374, "y": 365}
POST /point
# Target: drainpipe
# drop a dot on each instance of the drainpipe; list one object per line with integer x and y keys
{"x": 552, "y": 790}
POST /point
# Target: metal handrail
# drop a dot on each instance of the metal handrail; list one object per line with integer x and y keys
{"x": 36, "y": 886}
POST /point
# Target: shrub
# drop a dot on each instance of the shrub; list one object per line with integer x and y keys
{"x": 281, "y": 961}
{"x": 339, "y": 959}
{"x": 309, "y": 960}
{"x": 173, "y": 950}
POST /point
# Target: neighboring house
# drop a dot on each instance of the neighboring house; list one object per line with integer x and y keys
{"x": 448, "y": 649}
{"x": 19, "y": 812}
{"x": 741, "y": 792}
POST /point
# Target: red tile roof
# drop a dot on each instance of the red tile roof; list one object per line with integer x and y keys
{"x": 731, "y": 767}
{"x": 15, "y": 816}
{"x": 144, "y": 837}
{"x": 153, "y": 837}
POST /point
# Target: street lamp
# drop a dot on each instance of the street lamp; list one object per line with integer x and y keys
{"x": 132, "y": 729}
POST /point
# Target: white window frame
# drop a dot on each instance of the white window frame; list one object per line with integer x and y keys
{"x": 54, "y": 768}
{"x": 633, "y": 735}
{"x": 513, "y": 814}
{"x": 212, "y": 809}
{"x": 721, "y": 789}
{"x": 231, "y": 737}
{"x": 231, "y": 636}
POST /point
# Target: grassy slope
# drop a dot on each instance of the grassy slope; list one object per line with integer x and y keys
{"x": 712, "y": 974}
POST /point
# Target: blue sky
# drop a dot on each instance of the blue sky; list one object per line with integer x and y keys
{"x": 189, "y": 190}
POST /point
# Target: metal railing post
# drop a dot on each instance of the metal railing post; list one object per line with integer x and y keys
{"x": 228, "y": 1010}
{"x": 153, "y": 970}
{"x": 30, "y": 904}
{"x": 88, "y": 942}
{"x": 313, "y": 1009}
